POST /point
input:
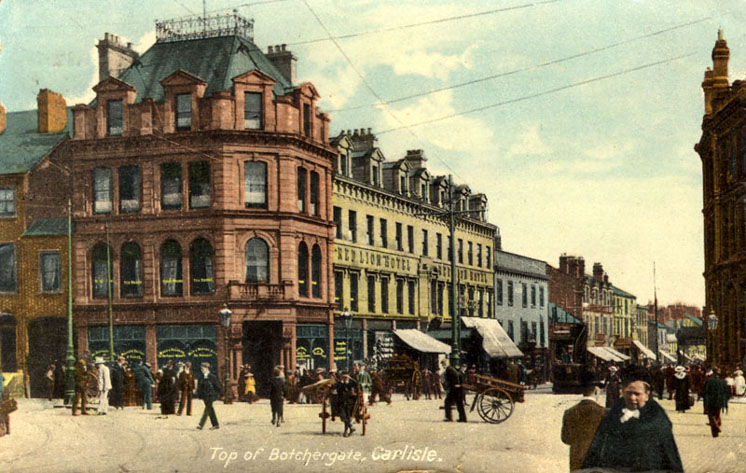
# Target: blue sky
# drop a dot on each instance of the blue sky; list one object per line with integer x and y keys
{"x": 584, "y": 144}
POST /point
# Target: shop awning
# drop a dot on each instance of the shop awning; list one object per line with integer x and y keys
{"x": 667, "y": 356}
{"x": 495, "y": 341}
{"x": 618, "y": 356}
{"x": 599, "y": 352}
{"x": 422, "y": 342}
{"x": 646, "y": 352}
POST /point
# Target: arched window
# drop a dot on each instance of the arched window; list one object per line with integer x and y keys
{"x": 131, "y": 270}
{"x": 303, "y": 270}
{"x": 257, "y": 261}
{"x": 172, "y": 282}
{"x": 316, "y": 271}
{"x": 99, "y": 272}
{"x": 202, "y": 279}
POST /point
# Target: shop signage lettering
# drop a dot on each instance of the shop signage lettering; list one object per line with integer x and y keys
{"x": 134, "y": 353}
{"x": 466, "y": 275}
{"x": 171, "y": 353}
{"x": 319, "y": 351}
{"x": 301, "y": 354}
{"x": 203, "y": 352}
{"x": 360, "y": 256}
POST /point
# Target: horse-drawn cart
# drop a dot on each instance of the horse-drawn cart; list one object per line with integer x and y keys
{"x": 322, "y": 391}
{"x": 403, "y": 373}
{"x": 494, "y": 398}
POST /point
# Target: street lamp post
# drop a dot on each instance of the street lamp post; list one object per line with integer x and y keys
{"x": 347, "y": 318}
{"x": 225, "y": 318}
{"x": 712, "y": 325}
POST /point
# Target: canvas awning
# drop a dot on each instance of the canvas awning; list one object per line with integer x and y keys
{"x": 646, "y": 352}
{"x": 599, "y": 352}
{"x": 667, "y": 356}
{"x": 495, "y": 341}
{"x": 421, "y": 342}
{"x": 618, "y": 356}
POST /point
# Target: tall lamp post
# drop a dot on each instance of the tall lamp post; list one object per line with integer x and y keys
{"x": 347, "y": 318}
{"x": 712, "y": 325}
{"x": 225, "y": 318}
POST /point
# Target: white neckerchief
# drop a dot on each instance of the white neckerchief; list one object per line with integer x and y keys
{"x": 627, "y": 414}
{"x": 680, "y": 375}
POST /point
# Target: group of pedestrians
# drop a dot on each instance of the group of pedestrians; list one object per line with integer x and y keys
{"x": 633, "y": 432}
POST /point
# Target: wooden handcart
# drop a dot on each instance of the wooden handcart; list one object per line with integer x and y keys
{"x": 321, "y": 390}
{"x": 494, "y": 398}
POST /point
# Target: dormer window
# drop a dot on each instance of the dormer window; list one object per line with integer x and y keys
{"x": 423, "y": 191}
{"x": 114, "y": 117}
{"x": 307, "y": 119}
{"x": 253, "y": 110}
{"x": 184, "y": 112}
{"x": 375, "y": 176}
{"x": 402, "y": 184}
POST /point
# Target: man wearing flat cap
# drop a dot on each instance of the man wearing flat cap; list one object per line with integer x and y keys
{"x": 580, "y": 422}
{"x": 636, "y": 434}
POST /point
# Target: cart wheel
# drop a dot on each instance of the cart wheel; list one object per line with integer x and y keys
{"x": 494, "y": 405}
{"x": 470, "y": 399}
{"x": 416, "y": 383}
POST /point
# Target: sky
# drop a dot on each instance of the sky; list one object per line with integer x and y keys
{"x": 577, "y": 118}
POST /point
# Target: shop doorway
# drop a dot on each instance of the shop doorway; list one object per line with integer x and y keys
{"x": 47, "y": 343}
{"x": 262, "y": 345}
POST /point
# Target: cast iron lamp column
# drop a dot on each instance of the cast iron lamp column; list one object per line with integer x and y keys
{"x": 712, "y": 325}
{"x": 225, "y": 318}
{"x": 347, "y": 318}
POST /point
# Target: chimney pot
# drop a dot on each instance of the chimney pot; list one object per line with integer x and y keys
{"x": 269, "y": 50}
{"x": 283, "y": 47}
{"x": 369, "y": 131}
{"x": 129, "y": 45}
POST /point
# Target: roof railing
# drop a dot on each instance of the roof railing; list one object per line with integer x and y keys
{"x": 198, "y": 27}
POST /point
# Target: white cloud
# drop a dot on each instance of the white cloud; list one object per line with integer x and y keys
{"x": 529, "y": 141}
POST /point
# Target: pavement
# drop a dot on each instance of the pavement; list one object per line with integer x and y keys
{"x": 407, "y": 435}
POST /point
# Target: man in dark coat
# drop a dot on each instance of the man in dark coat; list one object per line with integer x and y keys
{"x": 346, "y": 389}
{"x": 145, "y": 382}
{"x": 452, "y": 381}
{"x": 208, "y": 389}
{"x": 186, "y": 388}
{"x": 580, "y": 422}
{"x": 659, "y": 380}
{"x": 59, "y": 380}
{"x": 81, "y": 387}
{"x": 117, "y": 384}
{"x": 276, "y": 396}
{"x": 635, "y": 435}
{"x": 716, "y": 394}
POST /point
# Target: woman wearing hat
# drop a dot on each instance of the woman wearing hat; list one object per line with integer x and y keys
{"x": 682, "y": 386}
{"x": 739, "y": 383}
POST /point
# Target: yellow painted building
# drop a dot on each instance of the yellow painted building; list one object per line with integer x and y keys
{"x": 392, "y": 250}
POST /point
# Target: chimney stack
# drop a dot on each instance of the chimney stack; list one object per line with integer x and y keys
{"x": 52, "y": 111}
{"x": 598, "y": 272}
{"x": 114, "y": 56}
{"x": 283, "y": 60}
{"x": 416, "y": 158}
{"x": 716, "y": 79}
{"x": 3, "y": 119}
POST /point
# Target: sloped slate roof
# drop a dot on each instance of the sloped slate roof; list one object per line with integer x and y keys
{"x": 21, "y": 144}
{"x": 694, "y": 319}
{"x": 215, "y": 60}
{"x": 47, "y": 226}
{"x": 622, "y": 293}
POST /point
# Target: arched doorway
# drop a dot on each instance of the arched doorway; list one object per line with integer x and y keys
{"x": 47, "y": 343}
{"x": 8, "y": 361}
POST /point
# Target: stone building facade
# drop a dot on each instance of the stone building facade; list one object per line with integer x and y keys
{"x": 722, "y": 151}
{"x": 203, "y": 185}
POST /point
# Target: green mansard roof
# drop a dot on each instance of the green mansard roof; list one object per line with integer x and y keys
{"x": 215, "y": 60}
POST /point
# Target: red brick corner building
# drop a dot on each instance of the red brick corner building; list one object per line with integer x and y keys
{"x": 212, "y": 171}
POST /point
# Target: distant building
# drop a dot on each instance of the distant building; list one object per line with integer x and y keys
{"x": 524, "y": 310}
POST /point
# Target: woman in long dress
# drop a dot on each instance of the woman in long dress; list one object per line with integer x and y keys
{"x": 740, "y": 383}
{"x": 682, "y": 386}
